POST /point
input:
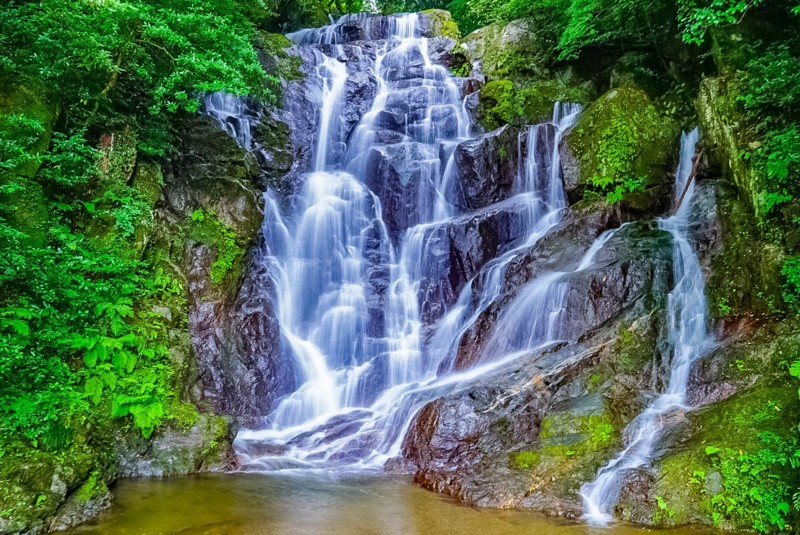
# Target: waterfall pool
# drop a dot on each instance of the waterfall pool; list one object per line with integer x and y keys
{"x": 300, "y": 504}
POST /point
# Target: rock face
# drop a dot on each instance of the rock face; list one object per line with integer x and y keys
{"x": 617, "y": 138}
{"x": 549, "y": 254}
{"x": 456, "y": 251}
{"x": 497, "y": 51}
{"x": 528, "y": 434}
{"x": 211, "y": 196}
{"x": 205, "y": 446}
{"x": 488, "y": 167}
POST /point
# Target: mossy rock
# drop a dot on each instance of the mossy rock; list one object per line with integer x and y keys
{"x": 723, "y": 127}
{"x": 36, "y": 482}
{"x": 30, "y": 214}
{"x": 576, "y": 437}
{"x": 202, "y": 447}
{"x": 514, "y": 51}
{"x": 744, "y": 425}
{"x": 497, "y": 104}
{"x": 122, "y": 173}
{"x": 30, "y": 101}
{"x": 622, "y": 148}
{"x": 709, "y": 451}
{"x": 641, "y": 71}
{"x": 536, "y": 99}
{"x": 502, "y": 102}
{"x": 440, "y": 23}
{"x": 736, "y": 285}
{"x": 275, "y": 59}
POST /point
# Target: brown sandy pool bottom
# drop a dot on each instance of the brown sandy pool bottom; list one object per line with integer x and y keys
{"x": 311, "y": 504}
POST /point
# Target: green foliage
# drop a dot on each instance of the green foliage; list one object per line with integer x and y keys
{"x": 70, "y": 161}
{"x": 791, "y": 286}
{"x": 19, "y": 134}
{"x": 78, "y": 341}
{"x": 72, "y": 338}
{"x": 697, "y": 17}
{"x": 401, "y": 6}
{"x": 208, "y": 229}
{"x": 664, "y": 511}
{"x": 771, "y": 98}
{"x": 755, "y": 492}
{"x": 617, "y": 150}
{"x": 104, "y": 59}
{"x": 287, "y": 15}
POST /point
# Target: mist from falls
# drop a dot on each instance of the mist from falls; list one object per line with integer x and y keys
{"x": 689, "y": 339}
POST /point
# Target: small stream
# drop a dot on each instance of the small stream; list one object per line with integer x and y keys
{"x": 299, "y": 504}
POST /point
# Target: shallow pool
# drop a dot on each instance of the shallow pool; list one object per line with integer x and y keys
{"x": 234, "y": 504}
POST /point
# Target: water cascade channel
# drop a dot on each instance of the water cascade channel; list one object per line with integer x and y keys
{"x": 689, "y": 339}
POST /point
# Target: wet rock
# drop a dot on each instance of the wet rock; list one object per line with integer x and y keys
{"x": 83, "y": 505}
{"x": 560, "y": 249}
{"x": 636, "y": 499}
{"x": 205, "y": 446}
{"x": 454, "y": 252}
{"x": 530, "y": 432}
{"x": 235, "y": 337}
{"x": 732, "y": 387}
{"x": 487, "y": 167}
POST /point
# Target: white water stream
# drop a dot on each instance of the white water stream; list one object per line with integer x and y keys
{"x": 361, "y": 381}
{"x": 689, "y": 339}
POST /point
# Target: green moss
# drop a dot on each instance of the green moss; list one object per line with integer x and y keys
{"x": 524, "y": 460}
{"x": 722, "y": 124}
{"x": 737, "y": 285}
{"x": 735, "y": 469}
{"x": 442, "y": 23}
{"x": 277, "y": 60}
{"x": 575, "y": 439}
{"x": 514, "y": 51}
{"x": 625, "y": 147}
{"x": 94, "y": 487}
{"x": 634, "y": 349}
{"x": 536, "y": 100}
{"x": 207, "y": 229}
{"x": 504, "y": 102}
{"x": 498, "y": 104}
{"x": 182, "y": 416}
{"x": 567, "y": 434}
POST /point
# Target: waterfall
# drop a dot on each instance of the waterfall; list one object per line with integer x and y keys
{"x": 348, "y": 285}
{"x": 689, "y": 339}
{"x": 231, "y": 114}
{"x": 540, "y": 184}
{"x": 334, "y": 241}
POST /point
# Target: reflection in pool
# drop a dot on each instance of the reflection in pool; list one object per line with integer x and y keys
{"x": 254, "y": 504}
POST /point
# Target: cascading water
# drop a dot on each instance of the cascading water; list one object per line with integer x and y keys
{"x": 539, "y": 182}
{"x": 361, "y": 381}
{"x": 323, "y": 255}
{"x": 689, "y": 339}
